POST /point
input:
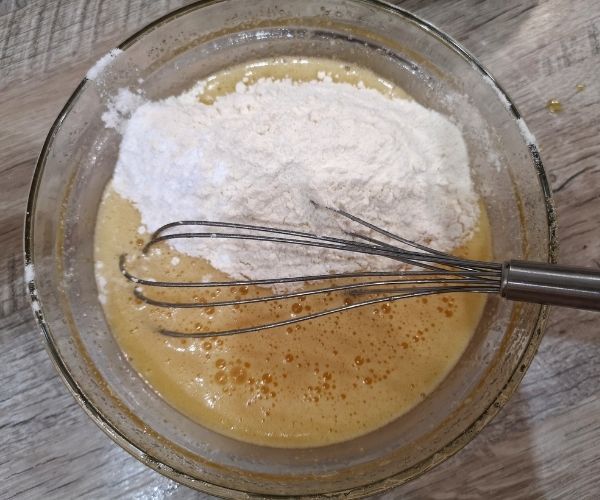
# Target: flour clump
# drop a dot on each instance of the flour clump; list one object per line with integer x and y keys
{"x": 263, "y": 153}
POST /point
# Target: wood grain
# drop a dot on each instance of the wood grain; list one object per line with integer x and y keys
{"x": 544, "y": 444}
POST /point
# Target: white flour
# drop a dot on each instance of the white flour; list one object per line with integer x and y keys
{"x": 120, "y": 107}
{"x": 262, "y": 153}
{"x": 101, "y": 64}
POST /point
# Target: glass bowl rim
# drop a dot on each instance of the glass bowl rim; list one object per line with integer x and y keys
{"x": 380, "y": 485}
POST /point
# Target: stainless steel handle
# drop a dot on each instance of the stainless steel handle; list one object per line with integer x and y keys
{"x": 550, "y": 284}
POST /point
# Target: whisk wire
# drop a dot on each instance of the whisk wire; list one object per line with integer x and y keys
{"x": 394, "y": 253}
{"x": 354, "y": 289}
{"x": 439, "y": 272}
{"x": 277, "y": 324}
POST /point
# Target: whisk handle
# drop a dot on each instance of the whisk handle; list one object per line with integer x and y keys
{"x": 551, "y": 284}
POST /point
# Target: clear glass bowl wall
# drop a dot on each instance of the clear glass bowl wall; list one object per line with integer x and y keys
{"x": 170, "y": 56}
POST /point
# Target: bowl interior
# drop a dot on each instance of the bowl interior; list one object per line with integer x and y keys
{"x": 169, "y": 57}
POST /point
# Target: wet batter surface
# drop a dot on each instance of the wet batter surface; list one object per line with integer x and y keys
{"x": 309, "y": 384}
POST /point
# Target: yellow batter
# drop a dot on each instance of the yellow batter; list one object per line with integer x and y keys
{"x": 310, "y": 384}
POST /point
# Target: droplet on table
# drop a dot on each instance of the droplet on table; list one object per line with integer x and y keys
{"x": 554, "y": 106}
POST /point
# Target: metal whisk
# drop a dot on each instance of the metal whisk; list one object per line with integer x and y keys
{"x": 438, "y": 273}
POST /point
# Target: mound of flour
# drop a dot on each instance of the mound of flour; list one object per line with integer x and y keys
{"x": 262, "y": 153}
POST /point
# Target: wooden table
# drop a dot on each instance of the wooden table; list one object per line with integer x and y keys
{"x": 545, "y": 443}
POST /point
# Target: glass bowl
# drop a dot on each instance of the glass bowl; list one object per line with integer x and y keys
{"x": 168, "y": 57}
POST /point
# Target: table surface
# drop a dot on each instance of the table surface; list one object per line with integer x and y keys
{"x": 544, "y": 444}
